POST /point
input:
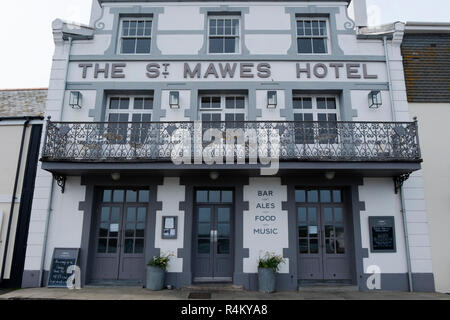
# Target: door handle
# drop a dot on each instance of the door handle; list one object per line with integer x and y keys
{"x": 213, "y": 235}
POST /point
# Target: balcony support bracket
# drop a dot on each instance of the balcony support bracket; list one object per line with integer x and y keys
{"x": 61, "y": 181}
{"x": 399, "y": 180}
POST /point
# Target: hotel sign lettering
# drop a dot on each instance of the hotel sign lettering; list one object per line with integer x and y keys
{"x": 195, "y": 71}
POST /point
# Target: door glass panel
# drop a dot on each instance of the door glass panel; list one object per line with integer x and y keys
{"x": 328, "y": 215}
{"x": 338, "y": 217}
{"x": 300, "y": 195}
{"x": 204, "y": 229}
{"x": 129, "y": 231}
{"x": 301, "y": 216}
{"x": 139, "y": 246}
{"x": 131, "y": 196}
{"x": 105, "y": 214}
{"x": 140, "y": 230}
{"x": 101, "y": 246}
{"x": 114, "y": 230}
{"x": 107, "y": 194}
{"x": 115, "y": 214}
{"x": 223, "y": 246}
{"x": 203, "y": 246}
{"x": 329, "y": 231}
{"x": 223, "y": 229}
{"x": 337, "y": 196}
{"x": 312, "y": 215}
{"x": 142, "y": 212}
{"x": 223, "y": 215}
{"x": 112, "y": 246}
{"x": 339, "y": 232}
{"x": 103, "y": 230}
{"x": 329, "y": 243}
{"x": 131, "y": 214}
{"x": 128, "y": 246}
{"x": 313, "y": 246}
{"x": 202, "y": 196}
{"x": 303, "y": 245}
{"x": 204, "y": 215}
{"x": 340, "y": 246}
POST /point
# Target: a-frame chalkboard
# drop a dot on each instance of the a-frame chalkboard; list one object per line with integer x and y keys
{"x": 62, "y": 259}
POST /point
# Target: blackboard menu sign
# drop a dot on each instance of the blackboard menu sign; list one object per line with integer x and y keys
{"x": 382, "y": 234}
{"x": 61, "y": 261}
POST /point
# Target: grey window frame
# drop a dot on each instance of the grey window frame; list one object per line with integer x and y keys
{"x": 122, "y": 37}
{"x": 311, "y": 36}
{"x": 237, "y": 37}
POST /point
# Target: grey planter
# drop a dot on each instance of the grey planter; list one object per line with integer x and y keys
{"x": 267, "y": 280}
{"x": 155, "y": 278}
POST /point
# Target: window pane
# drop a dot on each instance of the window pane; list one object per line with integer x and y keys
{"x": 214, "y": 196}
{"x": 240, "y": 103}
{"x": 297, "y": 103}
{"x": 220, "y": 27}
{"x": 138, "y": 103}
{"x": 322, "y": 117}
{"x": 216, "y": 45}
{"x": 230, "y": 45}
{"x": 223, "y": 229}
{"x": 337, "y": 196}
{"x": 323, "y": 28}
{"x": 314, "y": 245}
{"x": 204, "y": 215}
{"x": 212, "y": 27}
{"x": 223, "y": 215}
{"x": 131, "y": 196}
{"x": 300, "y": 195}
{"x": 303, "y": 245}
{"x": 103, "y": 230}
{"x": 307, "y": 103}
{"x": 112, "y": 246}
{"x": 340, "y": 246}
{"x": 313, "y": 196}
{"x": 114, "y": 103}
{"x": 128, "y": 45}
{"x": 125, "y": 28}
{"x": 144, "y": 196}
{"x": 228, "y": 27}
{"x": 140, "y": 28}
{"x": 315, "y": 28}
{"x": 203, "y": 246}
{"x": 107, "y": 195}
{"x": 131, "y": 214}
{"x": 142, "y": 213}
{"x": 139, "y": 246}
{"x": 312, "y": 216}
{"x": 230, "y": 103}
{"x": 118, "y": 195}
{"x": 303, "y": 231}
{"x": 215, "y": 102}
{"x": 148, "y": 103}
{"x": 129, "y": 230}
{"x": 148, "y": 28}
{"x": 300, "y": 31}
{"x": 101, "y": 246}
{"x": 331, "y": 103}
{"x": 320, "y": 46}
{"x": 204, "y": 229}
{"x": 235, "y": 27}
{"x": 328, "y": 215}
{"x": 115, "y": 214}
{"x": 105, "y": 214}
{"x": 338, "y": 217}
{"x": 304, "y": 45}
{"x": 307, "y": 28}
{"x": 321, "y": 103}
{"x": 124, "y": 104}
{"x": 301, "y": 216}
{"x": 202, "y": 196}
{"x": 128, "y": 246}
{"x": 133, "y": 28}
{"x": 143, "y": 45}
{"x": 227, "y": 196}
{"x": 329, "y": 243}
{"x": 325, "y": 196}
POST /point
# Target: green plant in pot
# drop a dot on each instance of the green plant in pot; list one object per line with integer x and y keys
{"x": 156, "y": 272}
{"x": 268, "y": 266}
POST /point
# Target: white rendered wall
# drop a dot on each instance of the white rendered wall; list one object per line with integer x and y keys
{"x": 269, "y": 113}
{"x": 176, "y": 114}
{"x": 432, "y": 118}
{"x": 359, "y": 101}
{"x": 171, "y": 193}
{"x": 258, "y": 244}
{"x": 380, "y": 200}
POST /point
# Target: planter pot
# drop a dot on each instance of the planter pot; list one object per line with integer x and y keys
{"x": 155, "y": 278}
{"x": 266, "y": 280}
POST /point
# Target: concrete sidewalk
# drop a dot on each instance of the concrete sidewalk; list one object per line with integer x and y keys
{"x": 132, "y": 293}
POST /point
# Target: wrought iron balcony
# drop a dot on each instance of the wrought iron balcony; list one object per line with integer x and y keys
{"x": 288, "y": 140}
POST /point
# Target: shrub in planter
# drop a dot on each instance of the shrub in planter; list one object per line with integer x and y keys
{"x": 268, "y": 267}
{"x": 156, "y": 272}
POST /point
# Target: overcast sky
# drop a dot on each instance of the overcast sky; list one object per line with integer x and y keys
{"x": 27, "y": 44}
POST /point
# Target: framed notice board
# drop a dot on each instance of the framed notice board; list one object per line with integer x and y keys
{"x": 62, "y": 259}
{"x": 382, "y": 234}
{"x": 170, "y": 228}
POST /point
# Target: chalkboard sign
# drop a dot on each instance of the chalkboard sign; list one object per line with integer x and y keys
{"x": 61, "y": 261}
{"x": 382, "y": 234}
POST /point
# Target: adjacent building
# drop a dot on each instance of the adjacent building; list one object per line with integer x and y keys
{"x": 21, "y": 119}
{"x": 426, "y": 55}
{"x": 219, "y": 131}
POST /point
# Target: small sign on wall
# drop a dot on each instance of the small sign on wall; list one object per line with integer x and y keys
{"x": 382, "y": 234}
{"x": 170, "y": 227}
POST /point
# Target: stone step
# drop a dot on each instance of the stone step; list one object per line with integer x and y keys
{"x": 213, "y": 287}
{"x": 328, "y": 288}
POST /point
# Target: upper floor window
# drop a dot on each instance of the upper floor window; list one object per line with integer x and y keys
{"x": 224, "y": 34}
{"x": 226, "y": 107}
{"x": 312, "y": 36}
{"x": 136, "y": 36}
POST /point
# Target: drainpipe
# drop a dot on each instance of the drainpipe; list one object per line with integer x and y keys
{"x": 13, "y": 200}
{"x": 50, "y": 199}
{"x": 401, "y": 191}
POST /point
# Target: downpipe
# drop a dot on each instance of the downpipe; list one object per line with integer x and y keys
{"x": 401, "y": 191}
{"x": 52, "y": 187}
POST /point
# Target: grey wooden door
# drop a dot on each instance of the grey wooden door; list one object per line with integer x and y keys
{"x": 120, "y": 236}
{"x": 323, "y": 235}
{"x": 213, "y": 242}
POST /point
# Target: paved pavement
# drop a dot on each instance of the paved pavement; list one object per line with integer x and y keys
{"x": 132, "y": 293}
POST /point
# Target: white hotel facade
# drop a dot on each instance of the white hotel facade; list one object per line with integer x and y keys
{"x": 347, "y": 200}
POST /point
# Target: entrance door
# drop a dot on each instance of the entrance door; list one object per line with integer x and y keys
{"x": 120, "y": 236}
{"x": 323, "y": 233}
{"x": 213, "y": 236}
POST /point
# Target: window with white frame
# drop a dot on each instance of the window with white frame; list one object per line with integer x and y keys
{"x": 312, "y": 35}
{"x": 136, "y": 35}
{"x": 307, "y": 109}
{"x": 129, "y": 111}
{"x": 231, "y": 108}
{"x": 224, "y": 34}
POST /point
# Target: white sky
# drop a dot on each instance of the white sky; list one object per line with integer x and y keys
{"x": 27, "y": 42}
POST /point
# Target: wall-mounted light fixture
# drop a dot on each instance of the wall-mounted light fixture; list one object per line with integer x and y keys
{"x": 272, "y": 99}
{"x": 375, "y": 99}
{"x": 76, "y": 99}
{"x": 174, "y": 100}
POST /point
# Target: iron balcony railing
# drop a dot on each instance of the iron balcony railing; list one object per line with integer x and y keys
{"x": 288, "y": 140}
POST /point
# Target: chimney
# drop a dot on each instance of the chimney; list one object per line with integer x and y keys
{"x": 360, "y": 13}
